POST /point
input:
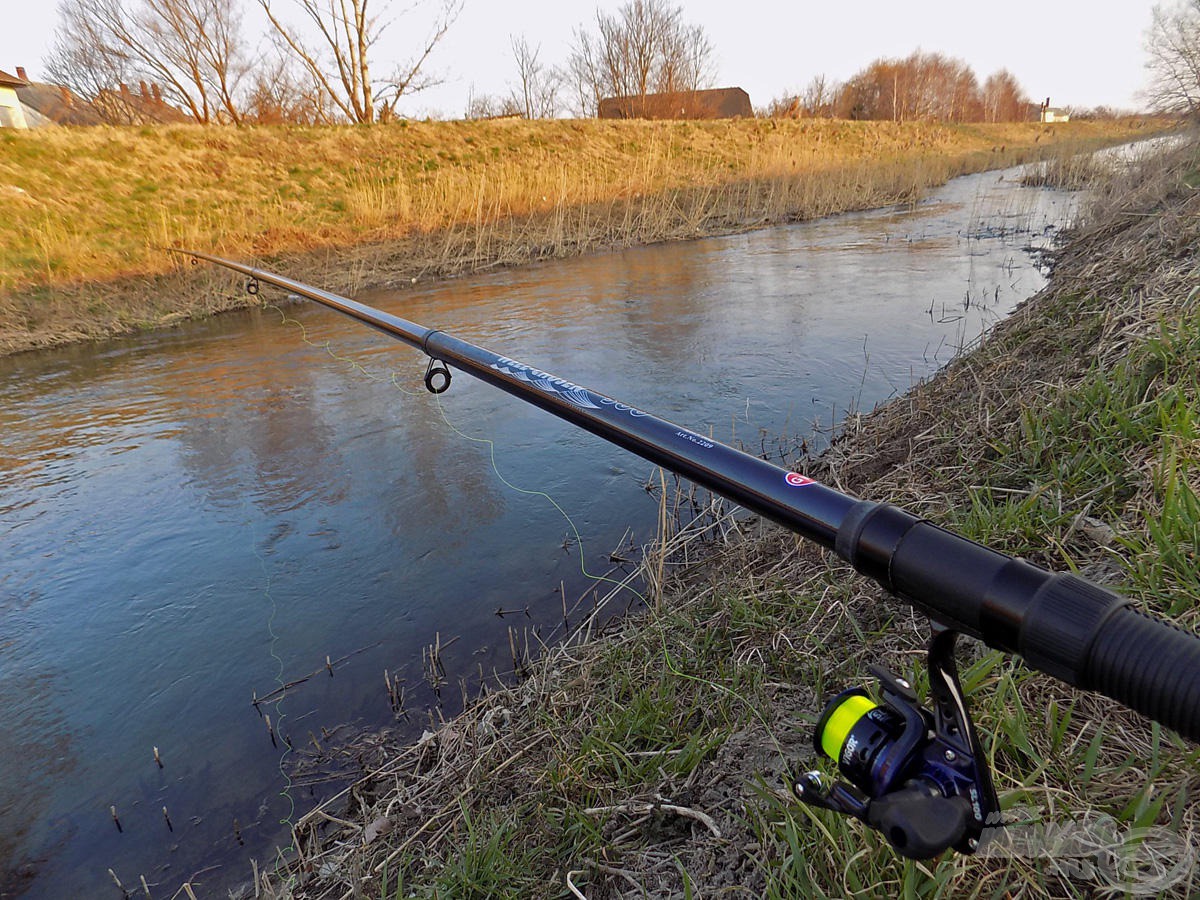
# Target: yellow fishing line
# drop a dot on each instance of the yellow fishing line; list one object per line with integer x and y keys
{"x": 327, "y": 347}
{"x": 491, "y": 445}
{"x": 280, "y": 715}
{"x": 670, "y": 662}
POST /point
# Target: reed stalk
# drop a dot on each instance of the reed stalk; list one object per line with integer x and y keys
{"x": 85, "y": 214}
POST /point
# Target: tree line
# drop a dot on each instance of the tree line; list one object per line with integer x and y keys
{"x": 920, "y": 86}
{"x": 319, "y": 63}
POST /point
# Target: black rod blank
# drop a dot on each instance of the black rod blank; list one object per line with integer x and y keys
{"x": 1059, "y": 623}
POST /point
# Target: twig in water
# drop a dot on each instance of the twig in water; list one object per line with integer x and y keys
{"x": 281, "y": 691}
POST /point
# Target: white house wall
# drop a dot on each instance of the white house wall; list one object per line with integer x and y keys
{"x": 12, "y": 114}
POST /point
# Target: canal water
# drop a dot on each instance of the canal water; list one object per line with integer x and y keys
{"x": 191, "y": 519}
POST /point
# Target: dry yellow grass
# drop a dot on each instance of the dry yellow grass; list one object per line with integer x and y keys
{"x": 656, "y": 758}
{"x": 85, "y": 214}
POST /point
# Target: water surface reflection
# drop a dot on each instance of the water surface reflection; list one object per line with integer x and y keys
{"x": 191, "y": 518}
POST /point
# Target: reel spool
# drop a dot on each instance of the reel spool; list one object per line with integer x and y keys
{"x": 917, "y": 776}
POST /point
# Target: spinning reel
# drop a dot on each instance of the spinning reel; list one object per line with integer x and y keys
{"x": 918, "y": 777}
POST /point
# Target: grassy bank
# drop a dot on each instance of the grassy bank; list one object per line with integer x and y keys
{"x": 87, "y": 213}
{"x": 653, "y": 761}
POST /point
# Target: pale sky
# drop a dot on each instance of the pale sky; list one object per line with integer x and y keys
{"x": 1080, "y": 53}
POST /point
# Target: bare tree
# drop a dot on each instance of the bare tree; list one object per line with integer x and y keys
{"x": 644, "y": 48}
{"x": 192, "y": 48}
{"x": 1003, "y": 100}
{"x": 583, "y": 74}
{"x": 536, "y": 92}
{"x": 340, "y": 62}
{"x": 817, "y": 98}
{"x": 786, "y": 107}
{"x": 487, "y": 106}
{"x": 1173, "y": 43}
{"x": 685, "y": 58}
{"x": 921, "y": 86}
{"x": 528, "y": 69}
{"x": 862, "y": 96}
{"x": 200, "y": 38}
{"x": 82, "y": 60}
{"x": 933, "y": 86}
{"x": 281, "y": 92}
{"x": 480, "y": 106}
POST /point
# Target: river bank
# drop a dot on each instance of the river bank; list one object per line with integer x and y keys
{"x": 235, "y": 455}
{"x": 88, "y": 213}
{"x": 652, "y": 761}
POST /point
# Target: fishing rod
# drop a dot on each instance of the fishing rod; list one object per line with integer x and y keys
{"x": 918, "y": 775}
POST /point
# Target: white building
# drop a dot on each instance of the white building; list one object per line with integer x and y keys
{"x": 12, "y": 115}
{"x": 1049, "y": 113}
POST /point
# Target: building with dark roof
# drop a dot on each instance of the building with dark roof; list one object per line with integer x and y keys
{"x": 33, "y": 104}
{"x": 144, "y": 107}
{"x": 719, "y": 103}
{"x": 54, "y": 104}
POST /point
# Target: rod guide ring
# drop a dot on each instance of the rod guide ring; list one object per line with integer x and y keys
{"x": 437, "y": 377}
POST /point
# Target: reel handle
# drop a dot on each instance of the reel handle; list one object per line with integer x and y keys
{"x": 919, "y": 823}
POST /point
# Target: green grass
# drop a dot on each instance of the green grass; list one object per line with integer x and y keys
{"x": 1069, "y": 437}
{"x": 1118, "y": 444}
{"x": 1114, "y": 442}
{"x": 1123, "y": 444}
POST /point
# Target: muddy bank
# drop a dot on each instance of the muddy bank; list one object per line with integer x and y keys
{"x": 654, "y": 760}
{"x": 90, "y": 214}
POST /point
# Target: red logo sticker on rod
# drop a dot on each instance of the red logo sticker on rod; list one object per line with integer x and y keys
{"x": 795, "y": 479}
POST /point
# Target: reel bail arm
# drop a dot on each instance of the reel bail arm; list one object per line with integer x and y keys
{"x": 918, "y": 777}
